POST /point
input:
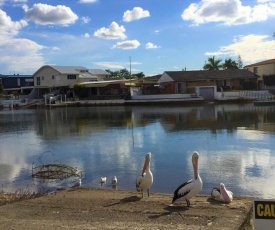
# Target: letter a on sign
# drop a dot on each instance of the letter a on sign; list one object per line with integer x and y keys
{"x": 264, "y": 214}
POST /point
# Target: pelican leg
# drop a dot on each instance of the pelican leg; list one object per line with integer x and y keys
{"x": 148, "y": 192}
{"x": 188, "y": 203}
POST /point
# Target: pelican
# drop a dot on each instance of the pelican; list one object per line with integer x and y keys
{"x": 103, "y": 180}
{"x": 114, "y": 181}
{"x": 190, "y": 188}
{"x": 145, "y": 181}
{"x": 222, "y": 194}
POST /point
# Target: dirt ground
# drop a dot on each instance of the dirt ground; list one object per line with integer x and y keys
{"x": 85, "y": 208}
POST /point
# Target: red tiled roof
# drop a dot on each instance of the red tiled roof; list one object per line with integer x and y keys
{"x": 270, "y": 61}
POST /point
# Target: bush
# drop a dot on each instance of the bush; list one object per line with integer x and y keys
{"x": 269, "y": 79}
{"x": 81, "y": 91}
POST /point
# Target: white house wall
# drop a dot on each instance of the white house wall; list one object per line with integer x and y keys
{"x": 46, "y": 78}
{"x": 266, "y": 69}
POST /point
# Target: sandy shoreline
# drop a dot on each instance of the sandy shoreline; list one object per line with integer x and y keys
{"x": 86, "y": 208}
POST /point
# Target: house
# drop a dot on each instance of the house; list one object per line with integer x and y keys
{"x": 50, "y": 78}
{"x": 16, "y": 84}
{"x": 206, "y": 82}
{"x": 264, "y": 68}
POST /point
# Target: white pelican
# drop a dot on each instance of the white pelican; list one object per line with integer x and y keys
{"x": 145, "y": 181}
{"x": 114, "y": 181}
{"x": 222, "y": 194}
{"x": 190, "y": 188}
{"x": 103, "y": 180}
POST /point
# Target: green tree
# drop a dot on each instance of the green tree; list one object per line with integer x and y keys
{"x": 124, "y": 73}
{"x": 139, "y": 75}
{"x": 213, "y": 64}
{"x": 81, "y": 91}
{"x": 240, "y": 62}
{"x": 229, "y": 64}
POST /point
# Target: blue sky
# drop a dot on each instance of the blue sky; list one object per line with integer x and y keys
{"x": 157, "y": 35}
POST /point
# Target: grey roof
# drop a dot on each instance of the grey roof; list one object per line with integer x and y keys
{"x": 179, "y": 76}
{"x": 98, "y": 72}
{"x": 15, "y": 76}
{"x": 68, "y": 69}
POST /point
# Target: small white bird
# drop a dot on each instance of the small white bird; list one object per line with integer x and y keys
{"x": 114, "y": 181}
{"x": 190, "y": 188}
{"x": 103, "y": 180}
{"x": 145, "y": 181}
{"x": 222, "y": 194}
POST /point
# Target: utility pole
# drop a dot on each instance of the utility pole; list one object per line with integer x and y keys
{"x": 130, "y": 69}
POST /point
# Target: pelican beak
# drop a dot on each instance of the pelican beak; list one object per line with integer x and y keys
{"x": 195, "y": 162}
{"x": 146, "y": 164}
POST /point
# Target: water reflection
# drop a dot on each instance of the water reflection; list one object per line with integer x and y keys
{"x": 234, "y": 142}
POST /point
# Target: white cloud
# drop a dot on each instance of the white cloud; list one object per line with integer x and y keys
{"x": 86, "y": 35}
{"x": 111, "y": 65}
{"x": 17, "y": 54}
{"x": 20, "y": 55}
{"x": 113, "y": 32}
{"x": 8, "y": 27}
{"x": 157, "y": 31}
{"x": 44, "y": 14}
{"x": 85, "y": 20}
{"x": 87, "y": 1}
{"x": 150, "y": 45}
{"x": 55, "y": 48}
{"x": 135, "y": 14}
{"x": 228, "y": 12}
{"x": 127, "y": 45}
{"x": 252, "y": 48}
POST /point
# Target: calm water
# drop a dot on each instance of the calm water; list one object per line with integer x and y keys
{"x": 235, "y": 142}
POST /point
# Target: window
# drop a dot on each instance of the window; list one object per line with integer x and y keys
{"x": 42, "y": 78}
{"x": 38, "y": 81}
{"x": 71, "y": 76}
{"x": 255, "y": 70}
{"x": 53, "y": 77}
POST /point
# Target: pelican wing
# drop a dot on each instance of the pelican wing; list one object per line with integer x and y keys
{"x": 183, "y": 190}
{"x": 138, "y": 182}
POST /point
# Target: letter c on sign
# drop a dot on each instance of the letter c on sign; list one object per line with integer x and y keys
{"x": 260, "y": 211}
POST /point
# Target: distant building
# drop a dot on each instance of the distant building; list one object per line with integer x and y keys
{"x": 264, "y": 68}
{"x": 50, "y": 78}
{"x": 19, "y": 84}
{"x": 206, "y": 82}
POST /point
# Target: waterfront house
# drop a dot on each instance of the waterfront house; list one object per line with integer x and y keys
{"x": 16, "y": 84}
{"x": 206, "y": 82}
{"x": 50, "y": 78}
{"x": 263, "y": 68}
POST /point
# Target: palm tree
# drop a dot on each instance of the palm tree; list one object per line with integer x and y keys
{"x": 213, "y": 64}
{"x": 229, "y": 64}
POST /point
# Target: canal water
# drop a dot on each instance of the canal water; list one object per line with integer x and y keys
{"x": 236, "y": 144}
